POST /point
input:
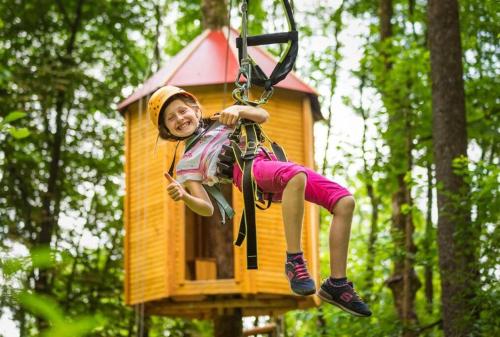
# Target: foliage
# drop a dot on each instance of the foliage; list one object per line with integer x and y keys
{"x": 66, "y": 70}
{"x": 63, "y": 72}
{"x": 15, "y": 132}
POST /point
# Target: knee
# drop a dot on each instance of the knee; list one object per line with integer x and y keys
{"x": 298, "y": 181}
{"x": 345, "y": 206}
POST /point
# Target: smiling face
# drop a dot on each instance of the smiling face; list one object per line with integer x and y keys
{"x": 181, "y": 119}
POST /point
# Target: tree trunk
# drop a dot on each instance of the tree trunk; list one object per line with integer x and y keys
{"x": 385, "y": 15}
{"x": 457, "y": 238}
{"x": 159, "y": 22}
{"x": 228, "y": 324}
{"x": 51, "y": 198}
{"x": 429, "y": 234}
{"x": 404, "y": 282}
{"x": 214, "y": 14}
{"x": 370, "y": 190}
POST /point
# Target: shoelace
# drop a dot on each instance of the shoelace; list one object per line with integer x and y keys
{"x": 300, "y": 270}
{"x": 356, "y": 296}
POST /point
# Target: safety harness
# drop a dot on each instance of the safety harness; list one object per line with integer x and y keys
{"x": 251, "y": 132}
{"x": 248, "y": 138}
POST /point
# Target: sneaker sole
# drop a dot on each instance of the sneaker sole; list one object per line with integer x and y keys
{"x": 311, "y": 292}
{"x": 327, "y": 298}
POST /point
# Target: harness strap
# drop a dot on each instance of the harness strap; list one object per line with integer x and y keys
{"x": 190, "y": 142}
{"x": 256, "y": 75}
{"x": 249, "y": 187}
{"x": 279, "y": 152}
{"x": 224, "y": 208}
{"x": 254, "y": 137}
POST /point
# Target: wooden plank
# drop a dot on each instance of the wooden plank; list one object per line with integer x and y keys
{"x": 147, "y": 236}
{"x": 206, "y": 268}
{"x": 208, "y": 287}
{"x": 266, "y": 329}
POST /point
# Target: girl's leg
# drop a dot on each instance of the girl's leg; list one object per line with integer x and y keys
{"x": 292, "y": 205}
{"x": 340, "y": 231}
{"x": 336, "y": 289}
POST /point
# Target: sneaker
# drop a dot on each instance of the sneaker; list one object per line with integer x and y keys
{"x": 300, "y": 280}
{"x": 344, "y": 297}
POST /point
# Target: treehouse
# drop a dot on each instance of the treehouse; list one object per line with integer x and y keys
{"x": 178, "y": 263}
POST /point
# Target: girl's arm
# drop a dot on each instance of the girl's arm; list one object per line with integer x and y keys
{"x": 197, "y": 199}
{"x": 256, "y": 114}
{"x": 230, "y": 115}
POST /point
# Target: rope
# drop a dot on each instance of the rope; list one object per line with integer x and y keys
{"x": 230, "y": 5}
{"x": 240, "y": 93}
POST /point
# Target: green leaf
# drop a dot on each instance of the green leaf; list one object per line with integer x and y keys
{"x": 75, "y": 328}
{"x": 15, "y": 115}
{"x": 12, "y": 265}
{"x": 42, "y": 257}
{"x": 48, "y": 309}
{"x": 42, "y": 306}
{"x": 19, "y": 133}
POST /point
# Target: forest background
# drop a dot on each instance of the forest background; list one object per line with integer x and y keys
{"x": 390, "y": 121}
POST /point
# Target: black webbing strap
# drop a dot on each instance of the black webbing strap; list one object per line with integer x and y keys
{"x": 244, "y": 159}
{"x": 287, "y": 60}
{"x": 279, "y": 152}
{"x": 224, "y": 208}
{"x": 260, "y": 40}
{"x": 172, "y": 164}
{"x": 247, "y": 225}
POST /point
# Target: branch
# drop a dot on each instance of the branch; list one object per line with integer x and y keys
{"x": 64, "y": 13}
{"x": 74, "y": 27}
{"x": 429, "y": 326}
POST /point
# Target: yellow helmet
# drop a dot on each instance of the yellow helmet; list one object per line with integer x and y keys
{"x": 159, "y": 98}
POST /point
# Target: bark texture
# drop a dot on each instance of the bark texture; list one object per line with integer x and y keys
{"x": 229, "y": 324}
{"x": 429, "y": 232}
{"x": 456, "y": 236}
{"x": 214, "y": 14}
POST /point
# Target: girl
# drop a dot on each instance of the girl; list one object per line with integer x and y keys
{"x": 177, "y": 115}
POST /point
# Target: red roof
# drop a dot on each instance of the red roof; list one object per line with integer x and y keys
{"x": 208, "y": 60}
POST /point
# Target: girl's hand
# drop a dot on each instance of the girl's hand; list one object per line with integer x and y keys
{"x": 174, "y": 189}
{"x": 232, "y": 114}
{"x": 228, "y": 116}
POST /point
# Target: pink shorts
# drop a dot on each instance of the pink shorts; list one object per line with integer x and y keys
{"x": 272, "y": 176}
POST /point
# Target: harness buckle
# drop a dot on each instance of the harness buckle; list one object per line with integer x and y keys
{"x": 250, "y": 150}
{"x": 251, "y": 145}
